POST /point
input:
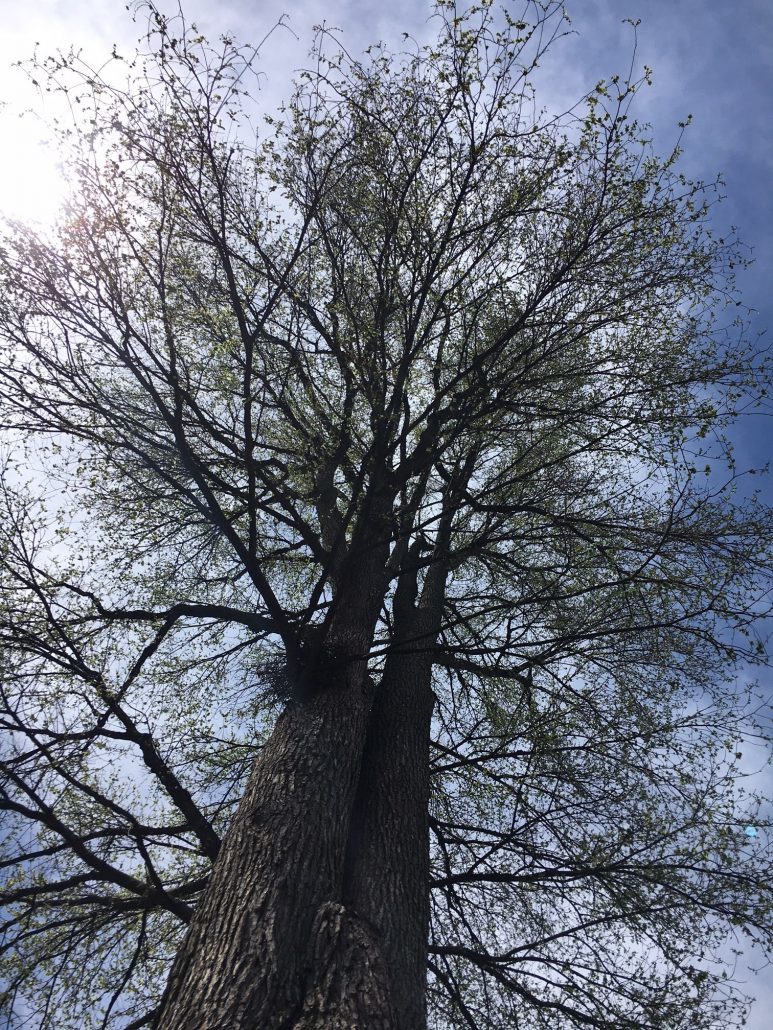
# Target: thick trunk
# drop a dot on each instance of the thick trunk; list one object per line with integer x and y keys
{"x": 387, "y": 878}
{"x": 307, "y": 925}
{"x": 248, "y": 961}
{"x": 270, "y": 946}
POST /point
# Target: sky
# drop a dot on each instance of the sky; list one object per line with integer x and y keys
{"x": 710, "y": 58}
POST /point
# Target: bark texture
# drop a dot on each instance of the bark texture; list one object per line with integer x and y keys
{"x": 270, "y": 946}
{"x": 350, "y": 985}
{"x": 387, "y": 879}
{"x": 250, "y": 949}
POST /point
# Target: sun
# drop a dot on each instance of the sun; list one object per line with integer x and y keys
{"x": 32, "y": 186}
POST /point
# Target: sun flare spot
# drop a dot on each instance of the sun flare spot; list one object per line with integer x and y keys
{"x": 32, "y": 185}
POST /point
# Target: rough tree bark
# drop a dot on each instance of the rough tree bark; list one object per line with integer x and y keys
{"x": 272, "y": 946}
{"x": 250, "y": 947}
{"x": 387, "y": 875}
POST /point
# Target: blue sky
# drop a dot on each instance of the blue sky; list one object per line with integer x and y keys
{"x": 710, "y": 58}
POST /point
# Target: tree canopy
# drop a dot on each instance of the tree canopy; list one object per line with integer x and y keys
{"x": 367, "y": 480}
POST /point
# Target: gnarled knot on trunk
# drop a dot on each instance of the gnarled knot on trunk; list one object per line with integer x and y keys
{"x": 319, "y": 665}
{"x": 348, "y": 984}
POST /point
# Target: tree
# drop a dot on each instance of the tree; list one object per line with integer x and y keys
{"x": 375, "y": 615}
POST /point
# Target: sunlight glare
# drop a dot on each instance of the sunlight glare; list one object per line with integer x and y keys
{"x": 32, "y": 187}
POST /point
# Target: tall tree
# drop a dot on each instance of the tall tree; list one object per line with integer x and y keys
{"x": 375, "y": 613}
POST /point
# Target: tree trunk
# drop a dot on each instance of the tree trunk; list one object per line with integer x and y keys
{"x": 387, "y": 877}
{"x": 317, "y": 912}
{"x": 250, "y": 951}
